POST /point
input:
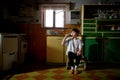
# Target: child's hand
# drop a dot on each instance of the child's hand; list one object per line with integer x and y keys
{"x": 83, "y": 57}
{"x": 67, "y": 35}
{"x": 78, "y": 53}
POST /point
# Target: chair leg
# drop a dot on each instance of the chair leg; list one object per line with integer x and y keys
{"x": 84, "y": 65}
{"x": 67, "y": 64}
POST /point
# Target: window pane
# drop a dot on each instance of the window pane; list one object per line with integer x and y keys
{"x": 59, "y": 18}
{"x": 49, "y": 18}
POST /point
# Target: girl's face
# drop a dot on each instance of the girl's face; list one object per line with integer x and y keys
{"x": 73, "y": 34}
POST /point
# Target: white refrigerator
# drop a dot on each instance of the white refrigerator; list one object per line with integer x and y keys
{"x": 8, "y": 51}
{"x": 13, "y": 49}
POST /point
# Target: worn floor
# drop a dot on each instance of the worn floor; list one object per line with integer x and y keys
{"x": 60, "y": 73}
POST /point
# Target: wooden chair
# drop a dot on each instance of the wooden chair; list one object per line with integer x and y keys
{"x": 81, "y": 67}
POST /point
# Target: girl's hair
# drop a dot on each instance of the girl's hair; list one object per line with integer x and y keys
{"x": 76, "y": 30}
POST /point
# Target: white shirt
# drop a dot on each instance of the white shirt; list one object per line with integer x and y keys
{"x": 73, "y": 45}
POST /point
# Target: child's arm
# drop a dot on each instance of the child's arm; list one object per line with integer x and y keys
{"x": 79, "y": 52}
{"x": 65, "y": 37}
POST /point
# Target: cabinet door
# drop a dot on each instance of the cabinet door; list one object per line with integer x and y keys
{"x": 93, "y": 49}
{"x": 112, "y": 50}
{"x": 55, "y": 51}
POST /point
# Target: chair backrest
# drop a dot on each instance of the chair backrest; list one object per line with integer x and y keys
{"x": 81, "y": 38}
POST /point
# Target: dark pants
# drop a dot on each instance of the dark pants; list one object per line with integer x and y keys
{"x": 73, "y": 56}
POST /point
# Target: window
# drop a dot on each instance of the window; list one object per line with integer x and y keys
{"x": 53, "y": 15}
{"x": 54, "y": 18}
{"x": 48, "y": 18}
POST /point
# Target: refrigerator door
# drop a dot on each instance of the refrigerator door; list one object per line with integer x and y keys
{"x": 10, "y": 52}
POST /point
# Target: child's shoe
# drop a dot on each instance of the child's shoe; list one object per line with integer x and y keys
{"x": 75, "y": 71}
{"x": 71, "y": 71}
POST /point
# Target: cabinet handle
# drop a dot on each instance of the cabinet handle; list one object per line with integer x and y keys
{"x": 12, "y": 53}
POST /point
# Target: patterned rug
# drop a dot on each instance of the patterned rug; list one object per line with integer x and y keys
{"x": 62, "y": 74}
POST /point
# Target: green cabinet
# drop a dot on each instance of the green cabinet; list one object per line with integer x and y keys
{"x": 102, "y": 50}
{"x": 112, "y": 50}
{"x": 100, "y": 27}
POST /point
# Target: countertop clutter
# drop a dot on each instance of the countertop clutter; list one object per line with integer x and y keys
{"x": 52, "y": 32}
{"x": 58, "y": 32}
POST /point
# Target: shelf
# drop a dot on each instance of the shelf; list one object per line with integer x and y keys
{"x": 89, "y": 21}
{"x": 96, "y": 10}
{"x": 109, "y": 21}
{"x": 91, "y": 25}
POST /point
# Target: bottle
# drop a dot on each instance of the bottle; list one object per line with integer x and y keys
{"x": 99, "y": 2}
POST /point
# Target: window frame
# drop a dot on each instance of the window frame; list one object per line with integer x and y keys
{"x": 60, "y": 6}
{"x": 54, "y": 15}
